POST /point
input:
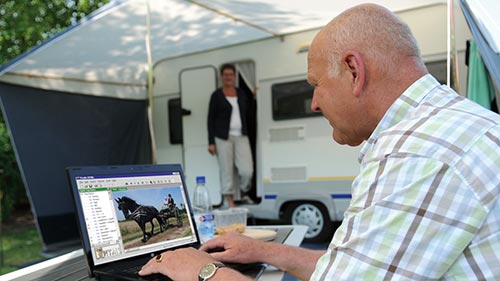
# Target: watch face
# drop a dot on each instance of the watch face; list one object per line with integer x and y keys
{"x": 208, "y": 270}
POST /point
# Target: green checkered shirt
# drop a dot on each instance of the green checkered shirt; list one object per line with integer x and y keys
{"x": 426, "y": 204}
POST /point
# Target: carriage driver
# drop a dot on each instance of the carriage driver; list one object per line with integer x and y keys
{"x": 168, "y": 203}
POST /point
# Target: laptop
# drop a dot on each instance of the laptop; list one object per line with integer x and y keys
{"x": 124, "y": 221}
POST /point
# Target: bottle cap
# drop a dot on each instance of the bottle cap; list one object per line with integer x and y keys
{"x": 200, "y": 179}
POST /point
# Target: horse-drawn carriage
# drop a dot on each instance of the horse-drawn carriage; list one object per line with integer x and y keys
{"x": 144, "y": 214}
{"x": 172, "y": 212}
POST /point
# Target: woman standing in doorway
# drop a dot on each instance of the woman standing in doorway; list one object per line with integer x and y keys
{"x": 228, "y": 134}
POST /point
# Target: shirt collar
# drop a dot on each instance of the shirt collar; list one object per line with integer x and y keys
{"x": 401, "y": 107}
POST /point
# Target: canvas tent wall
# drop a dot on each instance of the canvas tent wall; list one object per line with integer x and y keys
{"x": 52, "y": 130}
{"x": 81, "y": 98}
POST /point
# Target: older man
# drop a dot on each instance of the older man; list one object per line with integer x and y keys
{"x": 426, "y": 204}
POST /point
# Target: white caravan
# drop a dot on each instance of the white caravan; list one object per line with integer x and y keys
{"x": 302, "y": 176}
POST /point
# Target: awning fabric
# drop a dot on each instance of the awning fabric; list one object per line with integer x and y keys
{"x": 482, "y": 18}
{"x": 105, "y": 54}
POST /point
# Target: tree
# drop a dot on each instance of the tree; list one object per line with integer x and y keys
{"x": 11, "y": 191}
{"x": 24, "y": 25}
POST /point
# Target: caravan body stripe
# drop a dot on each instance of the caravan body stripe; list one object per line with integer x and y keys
{"x": 333, "y": 196}
{"x": 341, "y": 196}
{"x": 338, "y": 178}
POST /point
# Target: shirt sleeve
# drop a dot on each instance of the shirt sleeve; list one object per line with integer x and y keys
{"x": 410, "y": 218}
{"x": 211, "y": 119}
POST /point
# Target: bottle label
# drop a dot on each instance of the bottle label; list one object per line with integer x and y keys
{"x": 206, "y": 218}
{"x": 205, "y": 225}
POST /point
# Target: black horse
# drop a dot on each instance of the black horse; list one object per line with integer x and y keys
{"x": 141, "y": 214}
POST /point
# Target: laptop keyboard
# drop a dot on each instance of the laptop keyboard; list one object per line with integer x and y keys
{"x": 152, "y": 277}
{"x": 252, "y": 270}
{"x": 133, "y": 270}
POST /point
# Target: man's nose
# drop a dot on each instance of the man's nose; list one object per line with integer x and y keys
{"x": 314, "y": 105}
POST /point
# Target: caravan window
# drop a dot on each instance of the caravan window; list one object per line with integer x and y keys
{"x": 292, "y": 100}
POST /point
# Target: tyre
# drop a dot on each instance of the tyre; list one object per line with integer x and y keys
{"x": 315, "y": 216}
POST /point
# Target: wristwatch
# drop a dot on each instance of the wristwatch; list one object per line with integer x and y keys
{"x": 208, "y": 271}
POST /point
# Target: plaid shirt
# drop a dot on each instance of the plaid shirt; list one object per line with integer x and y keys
{"x": 426, "y": 204}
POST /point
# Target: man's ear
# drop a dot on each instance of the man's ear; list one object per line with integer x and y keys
{"x": 356, "y": 67}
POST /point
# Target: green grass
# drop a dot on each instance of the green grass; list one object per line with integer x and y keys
{"x": 19, "y": 249}
{"x": 132, "y": 237}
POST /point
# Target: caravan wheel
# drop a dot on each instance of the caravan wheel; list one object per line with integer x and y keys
{"x": 313, "y": 215}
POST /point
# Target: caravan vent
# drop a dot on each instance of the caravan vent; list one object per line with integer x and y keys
{"x": 288, "y": 174}
{"x": 286, "y": 134}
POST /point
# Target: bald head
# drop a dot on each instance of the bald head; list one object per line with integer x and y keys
{"x": 373, "y": 31}
{"x": 359, "y": 64}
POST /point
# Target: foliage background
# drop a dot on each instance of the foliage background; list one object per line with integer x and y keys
{"x": 25, "y": 24}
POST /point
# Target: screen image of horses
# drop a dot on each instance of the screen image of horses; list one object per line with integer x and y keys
{"x": 144, "y": 217}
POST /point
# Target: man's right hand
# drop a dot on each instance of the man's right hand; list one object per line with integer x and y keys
{"x": 237, "y": 248}
{"x": 211, "y": 149}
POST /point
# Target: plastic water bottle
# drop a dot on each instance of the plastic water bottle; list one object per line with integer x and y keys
{"x": 202, "y": 209}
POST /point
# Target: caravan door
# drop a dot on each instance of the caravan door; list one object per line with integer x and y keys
{"x": 196, "y": 87}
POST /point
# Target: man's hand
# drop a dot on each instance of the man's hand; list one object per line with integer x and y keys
{"x": 211, "y": 149}
{"x": 185, "y": 264}
{"x": 180, "y": 264}
{"x": 238, "y": 248}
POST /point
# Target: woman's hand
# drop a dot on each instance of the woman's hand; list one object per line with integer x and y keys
{"x": 211, "y": 149}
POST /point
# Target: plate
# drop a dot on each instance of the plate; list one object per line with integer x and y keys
{"x": 260, "y": 234}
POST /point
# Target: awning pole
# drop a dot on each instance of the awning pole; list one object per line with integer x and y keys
{"x": 453, "y": 80}
{"x": 150, "y": 83}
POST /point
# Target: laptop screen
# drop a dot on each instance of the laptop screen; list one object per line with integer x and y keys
{"x": 131, "y": 210}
